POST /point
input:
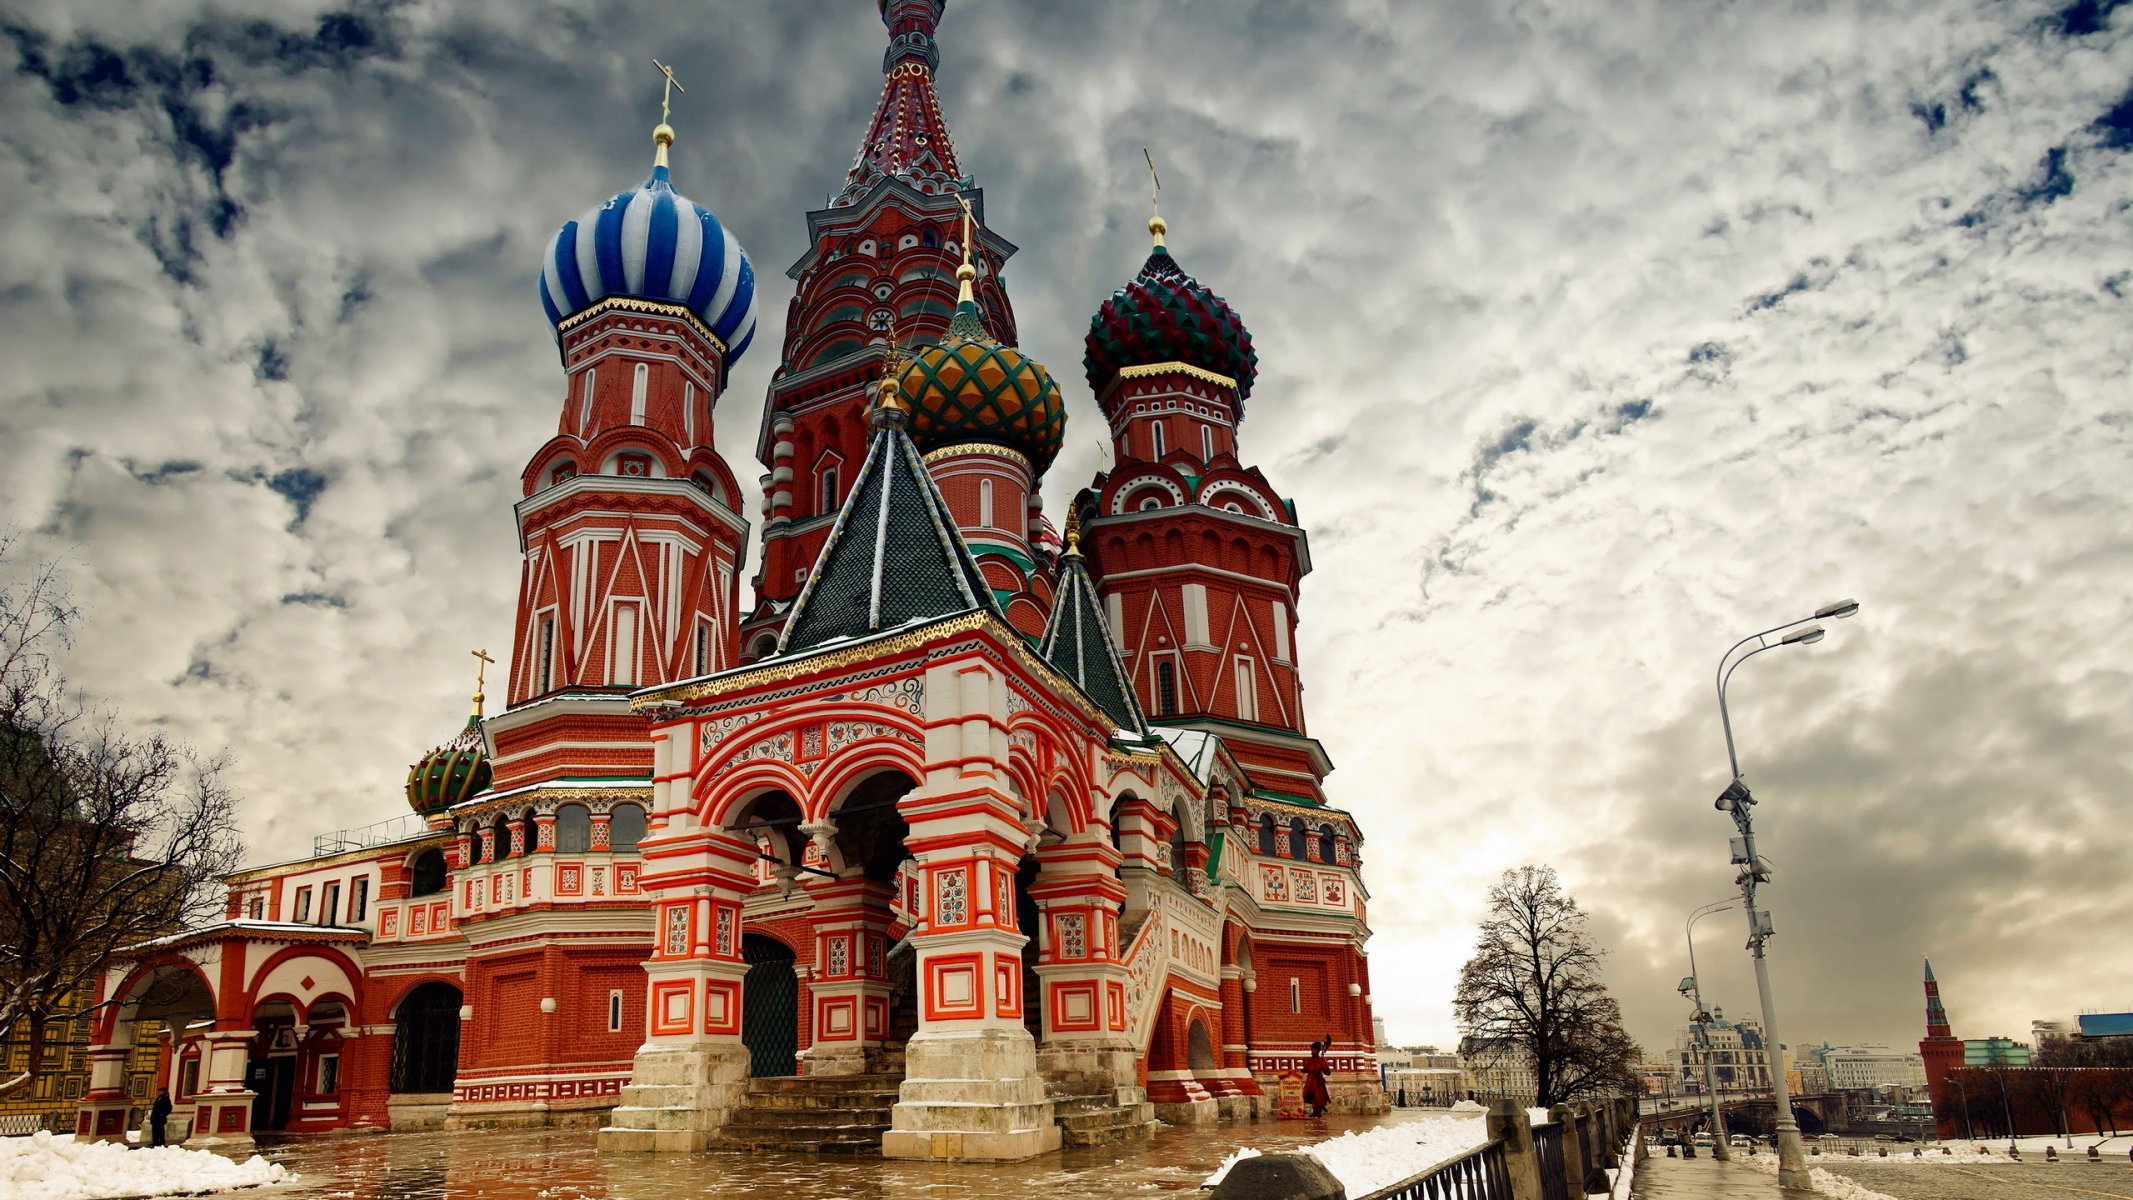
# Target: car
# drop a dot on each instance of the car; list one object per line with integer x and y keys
{"x": 1705, "y": 1140}
{"x": 1905, "y": 1137}
{"x": 1739, "y": 1139}
{"x": 1810, "y": 1137}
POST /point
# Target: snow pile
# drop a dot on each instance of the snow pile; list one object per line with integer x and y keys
{"x": 1468, "y": 1107}
{"x": 1835, "y": 1186}
{"x": 1376, "y": 1158}
{"x": 43, "y": 1167}
{"x": 2032, "y": 1150}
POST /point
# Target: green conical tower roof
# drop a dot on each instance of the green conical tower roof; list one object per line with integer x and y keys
{"x": 1077, "y": 642}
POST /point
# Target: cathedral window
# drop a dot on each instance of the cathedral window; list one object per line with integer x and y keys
{"x": 640, "y": 383}
{"x": 614, "y": 1011}
{"x": 1247, "y": 690}
{"x": 625, "y": 827}
{"x": 329, "y": 909}
{"x": 303, "y": 904}
{"x": 427, "y": 873}
{"x": 985, "y": 503}
{"x": 928, "y": 238}
{"x": 1207, "y": 443}
{"x": 1296, "y": 995}
{"x": 359, "y": 901}
{"x": 573, "y": 829}
{"x": 688, "y": 411}
{"x": 622, "y": 667}
{"x": 544, "y": 672}
{"x": 703, "y": 647}
{"x": 1155, "y": 438}
{"x": 1266, "y": 834}
{"x": 1297, "y": 847}
{"x": 826, "y": 499}
{"x": 1166, "y": 687}
{"x": 585, "y": 405}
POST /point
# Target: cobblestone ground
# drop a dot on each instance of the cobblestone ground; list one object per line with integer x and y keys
{"x": 563, "y": 1165}
{"x": 1990, "y": 1181}
{"x": 1705, "y": 1178}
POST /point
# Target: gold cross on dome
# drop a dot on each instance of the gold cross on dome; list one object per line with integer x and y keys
{"x": 965, "y": 202}
{"x": 667, "y": 90}
{"x": 481, "y": 676}
{"x": 1155, "y": 196}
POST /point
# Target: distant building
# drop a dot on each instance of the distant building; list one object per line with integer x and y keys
{"x": 1859, "y": 1068}
{"x": 1740, "y": 1058}
{"x": 2105, "y": 1025}
{"x": 1493, "y": 1070}
{"x": 1994, "y": 1052}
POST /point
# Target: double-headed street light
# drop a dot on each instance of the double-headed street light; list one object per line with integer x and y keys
{"x": 1737, "y": 801}
{"x": 1694, "y": 990}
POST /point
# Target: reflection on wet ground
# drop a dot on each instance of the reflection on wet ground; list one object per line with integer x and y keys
{"x": 540, "y": 1164}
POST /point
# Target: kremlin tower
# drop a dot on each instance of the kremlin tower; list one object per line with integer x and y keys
{"x": 1943, "y": 1055}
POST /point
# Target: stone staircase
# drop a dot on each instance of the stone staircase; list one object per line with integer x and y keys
{"x": 823, "y": 1114}
{"x": 1100, "y": 1120}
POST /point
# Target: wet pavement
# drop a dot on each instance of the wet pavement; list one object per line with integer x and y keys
{"x": 548, "y": 1164}
{"x": 1706, "y": 1178}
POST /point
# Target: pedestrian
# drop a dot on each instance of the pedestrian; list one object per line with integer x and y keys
{"x": 159, "y": 1117}
{"x": 1315, "y": 1069}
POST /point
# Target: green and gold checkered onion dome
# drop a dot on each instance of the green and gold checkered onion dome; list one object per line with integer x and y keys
{"x": 970, "y": 388}
{"x": 1164, "y": 315}
{"x": 453, "y": 772}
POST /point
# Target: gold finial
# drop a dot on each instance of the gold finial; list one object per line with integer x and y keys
{"x": 965, "y": 273}
{"x": 1073, "y": 532}
{"x": 663, "y": 133}
{"x": 889, "y": 406}
{"x": 481, "y": 676}
{"x": 1157, "y": 227}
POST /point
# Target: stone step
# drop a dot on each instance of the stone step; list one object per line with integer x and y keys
{"x": 819, "y": 1120}
{"x": 801, "y": 1102}
{"x": 823, "y": 1084}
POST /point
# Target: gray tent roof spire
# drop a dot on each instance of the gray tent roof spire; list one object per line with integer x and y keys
{"x": 894, "y": 557}
{"x": 1077, "y": 640}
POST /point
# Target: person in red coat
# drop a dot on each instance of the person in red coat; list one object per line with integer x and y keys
{"x": 1315, "y": 1069}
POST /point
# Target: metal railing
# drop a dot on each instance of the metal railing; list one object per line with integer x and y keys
{"x": 392, "y": 829}
{"x": 1480, "y": 1174}
{"x": 1548, "y": 1148}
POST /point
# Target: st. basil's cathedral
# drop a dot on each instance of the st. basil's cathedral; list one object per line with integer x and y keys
{"x": 970, "y": 839}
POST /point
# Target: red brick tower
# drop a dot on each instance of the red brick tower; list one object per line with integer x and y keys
{"x": 630, "y": 534}
{"x": 1943, "y": 1053}
{"x": 882, "y": 259}
{"x": 1198, "y": 557}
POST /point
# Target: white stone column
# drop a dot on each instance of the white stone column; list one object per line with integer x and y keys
{"x": 850, "y": 988}
{"x": 971, "y": 1086}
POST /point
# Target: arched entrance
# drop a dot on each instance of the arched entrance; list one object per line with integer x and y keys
{"x": 1199, "y": 1049}
{"x": 770, "y": 1006}
{"x": 426, "y": 1039}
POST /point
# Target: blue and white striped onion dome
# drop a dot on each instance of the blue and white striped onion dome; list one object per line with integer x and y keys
{"x": 653, "y": 243}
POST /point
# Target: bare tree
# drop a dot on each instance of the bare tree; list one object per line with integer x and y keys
{"x": 107, "y": 838}
{"x": 1532, "y": 991}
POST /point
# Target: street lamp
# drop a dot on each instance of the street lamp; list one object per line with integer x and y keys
{"x": 1737, "y": 802}
{"x": 1690, "y": 987}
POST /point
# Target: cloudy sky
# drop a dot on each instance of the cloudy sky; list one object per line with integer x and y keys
{"x": 1595, "y": 335}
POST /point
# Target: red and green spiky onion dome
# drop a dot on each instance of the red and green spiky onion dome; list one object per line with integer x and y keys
{"x": 1165, "y": 315}
{"x": 970, "y": 388}
{"x": 453, "y": 772}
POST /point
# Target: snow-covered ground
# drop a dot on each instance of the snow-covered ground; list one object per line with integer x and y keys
{"x": 1835, "y": 1186}
{"x": 1380, "y": 1157}
{"x": 44, "y": 1167}
{"x": 2031, "y": 1148}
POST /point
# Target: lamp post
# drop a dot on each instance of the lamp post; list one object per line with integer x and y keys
{"x": 1691, "y": 988}
{"x": 1737, "y": 802}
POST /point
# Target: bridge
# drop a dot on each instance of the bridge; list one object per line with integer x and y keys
{"x": 1750, "y": 1114}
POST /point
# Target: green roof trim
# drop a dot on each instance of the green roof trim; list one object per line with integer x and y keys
{"x": 1285, "y": 798}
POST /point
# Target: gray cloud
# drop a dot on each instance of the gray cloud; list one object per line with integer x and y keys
{"x": 1593, "y": 336}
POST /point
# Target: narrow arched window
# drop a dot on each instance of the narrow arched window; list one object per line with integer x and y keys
{"x": 639, "y": 383}
{"x": 1166, "y": 687}
{"x": 1297, "y": 848}
{"x": 573, "y": 829}
{"x": 985, "y": 503}
{"x": 1266, "y": 834}
{"x": 827, "y": 502}
{"x": 1155, "y": 438}
{"x": 625, "y": 827}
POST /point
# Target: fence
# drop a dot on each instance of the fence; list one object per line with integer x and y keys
{"x": 1482, "y": 1173}
{"x": 1548, "y": 1150}
{"x": 1520, "y": 1161}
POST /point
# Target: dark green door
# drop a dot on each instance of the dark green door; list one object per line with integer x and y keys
{"x": 770, "y": 1006}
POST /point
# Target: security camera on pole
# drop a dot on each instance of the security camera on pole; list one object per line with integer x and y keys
{"x": 1737, "y": 802}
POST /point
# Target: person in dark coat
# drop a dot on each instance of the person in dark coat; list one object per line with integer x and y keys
{"x": 1315, "y": 1070}
{"x": 159, "y": 1117}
